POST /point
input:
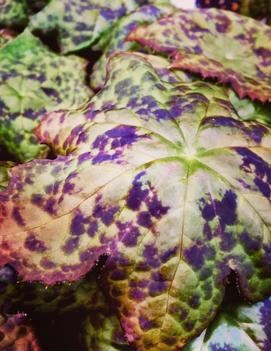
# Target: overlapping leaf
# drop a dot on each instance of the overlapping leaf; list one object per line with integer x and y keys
{"x": 102, "y": 332}
{"x": 116, "y": 38}
{"x": 216, "y": 44}
{"x": 81, "y": 22}
{"x": 101, "y": 328}
{"x": 60, "y": 298}
{"x": 166, "y": 179}
{"x": 16, "y": 334}
{"x": 13, "y": 13}
{"x": 237, "y": 328}
{"x": 34, "y": 81}
{"x": 251, "y": 110}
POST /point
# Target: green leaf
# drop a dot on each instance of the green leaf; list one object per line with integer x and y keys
{"x": 37, "y": 298}
{"x": 80, "y": 23}
{"x": 16, "y": 334}
{"x": 4, "y": 173}
{"x": 251, "y": 110}
{"x": 216, "y": 44}
{"x": 237, "y": 328}
{"x": 34, "y": 81}
{"x": 102, "y": 332}
{"x": 114, "y": 40}
{"x": 101, "y": 327}
{"x": 164, "y": 178}
{"x": 13, "y": 13}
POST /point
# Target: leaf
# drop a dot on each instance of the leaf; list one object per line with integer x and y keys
{"x": 114, "y": 41}
{"x": 4, "y": 173}
{"x": 101, "y": 327}
{"x": 165, "y": 179}
{"x": 216, "y": 44}
{"x": 36, "y": 298}
{"x": 5, "y": 36}
{"x": 13, "y": 13}
{"x": 102, "y": 332}
{"x": 34, "y": 81}
{"x": 237, "y": 328}
{"x": 16, "y": 334}
{"x": 80, "y": 23}
{"x": 251, "y": 110}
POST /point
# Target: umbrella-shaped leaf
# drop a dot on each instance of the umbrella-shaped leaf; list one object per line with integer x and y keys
{"x": 81, "y": 22}
{"x": 116, "y": 38}
{"x": 237, "y": 328}
{"x": 34, "y": 81}
{"x": 16, "y": 334}
{"x": 164, "y": 178}
{"x": 217, "y": 44}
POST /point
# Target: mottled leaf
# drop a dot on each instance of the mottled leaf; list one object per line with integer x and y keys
{"x": 101, "y": 328}
{"x": 16, "y": 334}
{"x": 115, "y": 40}
{"x": 102, "y": 332}
{"x": 163, "y": 177}
{"x": 80, "y": 23}
{"x": 34, "y": 81}
{"x": 16, "y": 13}
{"x": 216, "y": 44}
{"x": 237, "y": 328}
{"x": 13, "y": 13}
{"x": 60, "y": 298}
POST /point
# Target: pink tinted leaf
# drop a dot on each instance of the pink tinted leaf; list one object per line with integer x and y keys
{"x": 163, "y": 177}
{"x": 216, "y": 44}
{"x": 16, "y": 334}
